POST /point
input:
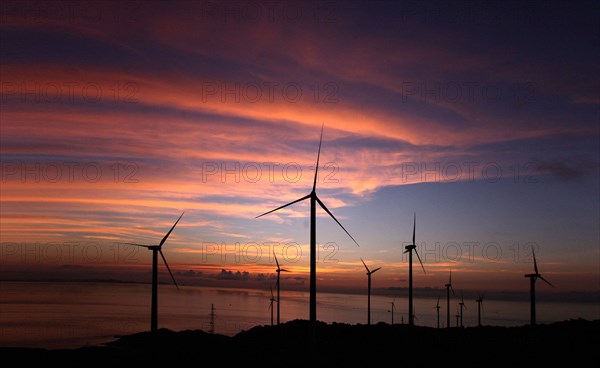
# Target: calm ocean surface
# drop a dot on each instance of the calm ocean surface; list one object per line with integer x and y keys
{"x": 67, "y": 315}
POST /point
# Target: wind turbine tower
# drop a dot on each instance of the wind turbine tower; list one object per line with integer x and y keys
{"x": 437, "y": 307}
{"x": 448, "y": 288}
{"x": 157, "y": 249}
{"x": 314, "y": 199}
{"x": 369, "y": 273}
{"x": 279, "y": 270}
{"x": 409, "y": 249}
{"x": 462, "y": 305}
{"x": 532, "y": 279}
{"x": 479, "y": 301}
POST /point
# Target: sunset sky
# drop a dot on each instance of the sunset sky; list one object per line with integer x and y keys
{"x": 481, "y": 118}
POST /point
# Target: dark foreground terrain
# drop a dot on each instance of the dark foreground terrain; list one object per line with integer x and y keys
{"x": 295, "y": 343}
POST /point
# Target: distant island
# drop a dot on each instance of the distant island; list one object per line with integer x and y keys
{"x": 298, "y": 343}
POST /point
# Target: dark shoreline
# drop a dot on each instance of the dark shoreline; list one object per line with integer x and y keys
{"x": 296, "y": 343}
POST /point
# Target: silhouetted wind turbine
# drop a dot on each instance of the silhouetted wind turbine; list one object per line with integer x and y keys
{"x": 271, "y": 305}
{"x": 313, "y": 234}
{"x": 462, "y": 305}
{"x": 415, "y": 313}
{"x": 278, "y": 270}
{"x": 448, "y": 288}
{"x": 457, "y": 315}
{"x": 393, "y": 309}
{"x": 532, "y": 279}
{"x": 369, "y": 273}
{"x": 409, "y": 250}
{"x": 479, "y": 301}
{"x": 437, "y": 307}
{"x": 156, "y": 249}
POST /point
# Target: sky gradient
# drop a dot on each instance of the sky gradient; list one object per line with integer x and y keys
{"x": 481, "y": 118}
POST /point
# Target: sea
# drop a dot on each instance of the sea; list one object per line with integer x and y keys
{"x": 58, "y": 315}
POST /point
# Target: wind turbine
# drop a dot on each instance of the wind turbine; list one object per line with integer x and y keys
{"x": 409, "y": 250}
{"x": 479, "y": 301}
{"x": 532, "y": 279}
{"x": 369, "y": 273}
{"x": 457, "y": 315}
{"x": 415, "y": 313}
{"x": 462, "y": 305}
{"x": 278, "y": 270}
{"x": 448, "y": 288}
{"x": 271, "y": 305}
{"x": 156, "y": 249}
{"x": 313, "y": 234}
{"x": 393, "y": 309}
{"x": 437, "y": 307}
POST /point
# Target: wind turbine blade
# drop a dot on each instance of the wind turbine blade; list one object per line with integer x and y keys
{"x": 375, "y": 270}
{"x": 285, "y": 205}
{"x": 284, "y": 270}
{"x": 414, "y": 227}
{"x": 450, "y": 279}
{"x": 546, "y": 281}
{"x": 276, "y": 261}
{"x": 336, "y": 220}
{"x": 169, "y": 233}
{"x": 318, "y": 155}
{"x": 166, "y": 264}
{"x": 417, "y": 253}
{"x": 272, "y": 292}
{"x": 138, "y": 245}
{"x": 451, "y": 288}
{"x": 363, "y": 262}
{"x": 534, "y": 261}
{"x": 438, "y": 302}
